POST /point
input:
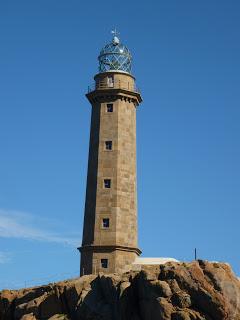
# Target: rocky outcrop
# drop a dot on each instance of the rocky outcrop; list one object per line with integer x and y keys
{"x": 174, "y": 291}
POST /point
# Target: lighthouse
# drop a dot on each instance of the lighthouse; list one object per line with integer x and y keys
{"x": 110, "y": 233}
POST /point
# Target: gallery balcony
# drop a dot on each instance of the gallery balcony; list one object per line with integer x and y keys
{"x": 105, "y": 85}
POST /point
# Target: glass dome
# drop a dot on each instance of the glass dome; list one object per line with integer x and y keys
{"x": 115, "y": 56}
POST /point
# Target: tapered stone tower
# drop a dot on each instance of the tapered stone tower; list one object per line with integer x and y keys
{"x": 110, "y": 233}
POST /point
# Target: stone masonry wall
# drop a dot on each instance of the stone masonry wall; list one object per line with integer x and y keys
{"x": 118, "y": 203}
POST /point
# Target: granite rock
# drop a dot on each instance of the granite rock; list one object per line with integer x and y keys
{"x": 199, "y": 290}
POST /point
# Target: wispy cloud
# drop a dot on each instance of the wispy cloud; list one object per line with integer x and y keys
{"x": 19, "y": 225}
{"x": 4, "y": 257}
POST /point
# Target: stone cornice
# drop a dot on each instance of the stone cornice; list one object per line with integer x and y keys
{"x": 100, "y": 95}
{"x": 105, "y": 248}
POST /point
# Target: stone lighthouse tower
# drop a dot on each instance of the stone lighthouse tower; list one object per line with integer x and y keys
{"x": 110, "y": 234}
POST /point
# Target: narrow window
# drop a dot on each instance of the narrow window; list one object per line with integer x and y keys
{"x": 105, "y": 222}
{"x": 110, "y": 81}
{"x": 107, "y": 183}
{"x": 110, "y": 107}
{"x": 108, "y": 145}
{"x": 104, "y": 263}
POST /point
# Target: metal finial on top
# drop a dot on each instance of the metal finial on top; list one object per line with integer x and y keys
{"x": 115, "y": 40}
{"x": 115, "y": 32}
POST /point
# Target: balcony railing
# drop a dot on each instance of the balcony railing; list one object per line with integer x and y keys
{"x": 117, "y": 84}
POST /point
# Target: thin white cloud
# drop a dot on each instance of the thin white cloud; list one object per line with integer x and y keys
{"x": 4, "y": 257}
{"x": 19, "y": 225}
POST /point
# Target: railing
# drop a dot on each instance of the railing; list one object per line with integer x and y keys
{"x": 117, "y": 84}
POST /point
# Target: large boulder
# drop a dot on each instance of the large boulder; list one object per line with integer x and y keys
{"x": 173, "y": 291}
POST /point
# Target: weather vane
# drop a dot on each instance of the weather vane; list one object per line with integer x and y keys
{"x": 115, "y": 40}
{"x": 115, "y": 33}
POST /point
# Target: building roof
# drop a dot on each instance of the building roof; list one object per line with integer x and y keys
{"x": 152, "y": 261}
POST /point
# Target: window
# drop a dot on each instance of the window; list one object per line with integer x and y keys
{"x": 108, "y": 145}
{"x": 104, "y": 263}
{"x": 110, "y": 107}
{"x": 110, "y": 81}
{"x": 107, "y": 183}
{"x": 105, "y": 222}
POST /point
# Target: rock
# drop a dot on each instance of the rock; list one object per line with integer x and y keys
{"x": 59, "y": 317}
{"x": 181, "y": 299}
{"x": 174, "y": 285}
{"x": 123, "y": 286}
{"x": 30, "y": 307}
{"x": 155, "y": 309}
{"x": 50, "y": 306}
{"x": 28, "y": 316}
{"x": 166, "y": 309}
{"x": 180, "y": 315}
{"x": 162, "y": 288}
{"x": 20, "y": 310}
{"x": 7, "y": 298}
{"x": 175, "y": 291}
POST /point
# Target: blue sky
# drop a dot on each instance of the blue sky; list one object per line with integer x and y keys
{"x": 186, "y": 61}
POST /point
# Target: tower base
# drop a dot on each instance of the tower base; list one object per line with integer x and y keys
{"x": 119, "y": 259}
